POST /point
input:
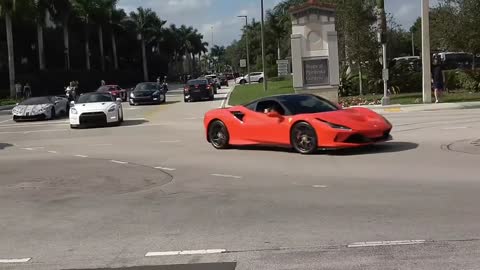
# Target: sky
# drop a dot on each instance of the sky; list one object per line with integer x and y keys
{"x": 222, "y": 14}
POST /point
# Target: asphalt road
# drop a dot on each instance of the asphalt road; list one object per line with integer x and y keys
{"x": 105, "y": 197}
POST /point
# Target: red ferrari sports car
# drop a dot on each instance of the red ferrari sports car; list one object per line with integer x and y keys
{"x": 115, "y": 90}
{"x": 302, "y": 121}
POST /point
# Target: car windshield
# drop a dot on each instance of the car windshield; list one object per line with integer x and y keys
{"x": 146, "y": 87}
{"x": 36, "y": 101}
{"x": 94, "y": 98}
{"x": 305, "y": 104}
{"x": 197, "y": 82}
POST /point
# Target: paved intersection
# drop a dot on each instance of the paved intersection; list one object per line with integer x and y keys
{"x": 105, "y": 197}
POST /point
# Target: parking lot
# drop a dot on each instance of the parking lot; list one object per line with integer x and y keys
{"x": 107, "y": 197}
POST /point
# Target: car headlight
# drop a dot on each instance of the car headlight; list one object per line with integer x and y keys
{"x": 335, "y": 126}
{"x": 112, "y": 109}
{"x": 132, "y": 95}
{"x": 73, "y": 111}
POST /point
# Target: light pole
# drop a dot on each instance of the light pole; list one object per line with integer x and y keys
{"x": 427, "y": 81}
{"x": 382, "y": 36}
{"x": 248, "y": 53}
{"x": 263, "y": 50}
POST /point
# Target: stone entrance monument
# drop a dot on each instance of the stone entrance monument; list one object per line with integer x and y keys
{"x": 315, "y": 62}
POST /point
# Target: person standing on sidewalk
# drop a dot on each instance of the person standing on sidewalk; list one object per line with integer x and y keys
{"x": 18, "y": 90}
{"x": 27, "y": 90}
{"x": 438, "y": 80}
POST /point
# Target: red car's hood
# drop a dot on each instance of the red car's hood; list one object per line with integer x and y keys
{"x": 353, "y": 118}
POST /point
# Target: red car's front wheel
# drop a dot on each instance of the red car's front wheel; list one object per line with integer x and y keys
{"x": 218, "y": 135}
{"x": 304, "y": 138}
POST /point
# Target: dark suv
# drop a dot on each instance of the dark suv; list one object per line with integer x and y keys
{"x": 198, "y": 89}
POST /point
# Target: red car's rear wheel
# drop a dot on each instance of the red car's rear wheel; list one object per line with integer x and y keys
{"x": 218, "y": 135}
{"x": 304, "y": 138}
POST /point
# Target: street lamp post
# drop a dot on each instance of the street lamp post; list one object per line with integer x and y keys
{"x": 427, "y": 81}
{"x": 263, "y": 50}
{"x": 247, "y": 45}
{"x": 382, "y": 36}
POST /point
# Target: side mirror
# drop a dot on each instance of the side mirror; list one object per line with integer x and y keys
{"x": 72, "y": 103}
{"x": 119, "y": 100}
{"x": 274, "y": 114}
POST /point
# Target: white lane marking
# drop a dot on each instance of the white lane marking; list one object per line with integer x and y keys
{"x": 193, "y": 118}
{"x": 319, "y": 186}
{"x": 226, "y": 176}
{"x": 81, "y": 156}
{"x": 28, "y": 149}
{"x": 166, "y": 169}
{"x": 53, "y": 152}
{"x": 454, "y": 128}
{"x": 131, "y": 109}
{"x": 177, "y": 141}
{"x": 22, "y": 260}
{"x": 4, "y": 121}
{"x": 118, "y": 162}
{"x": 186, "y": 252}
{"x": 28, "y": 132}
{"x": 386, "y": 243}
{"x": 16, "y": 125}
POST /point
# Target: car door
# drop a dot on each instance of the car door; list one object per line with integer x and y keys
{"x": 264, "y": 129}
{"x": 59, "y": 105}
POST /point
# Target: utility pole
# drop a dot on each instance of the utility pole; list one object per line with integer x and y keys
{"x": 382, "y": 38}
{"x": 413, "y": 44}
{"x": 263, "y": 49}
{"x": 427, "y": 78}
{"x": 247, "y": 45}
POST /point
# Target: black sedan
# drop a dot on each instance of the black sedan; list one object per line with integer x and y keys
{"x": 198, "y": 89}
{"x": 147, "y": 93}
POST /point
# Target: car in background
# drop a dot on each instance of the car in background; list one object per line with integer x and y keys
{"x": 147, "y": 93}
{"x": 215, "y": 79}
{"x": 40, "y": 108}
{"x": 254, "y": 77}
{"x": 230, "y": 76}
{"x": 304, "y": 122}
{"x": 212, "y": 83}
{"x": 115, "y": 90}
{"x": 96, "y": 109}
{"x": 198, "y": 89}
{"x": 223, "y": 80}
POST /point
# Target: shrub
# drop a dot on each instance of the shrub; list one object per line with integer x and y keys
{"x": 469, "y": 80}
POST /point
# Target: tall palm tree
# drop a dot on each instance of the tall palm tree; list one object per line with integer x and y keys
{"x": 143, "y": 22}
{"x": 185, "y": 39}
{"x": 101, "y": 16}
{"x": 6, "y": 8}
{"x": 117, "y": 17}
{"x": 62, "y": 11}
{"x": 86, "y": 10}
{"x": 41, "y": 8}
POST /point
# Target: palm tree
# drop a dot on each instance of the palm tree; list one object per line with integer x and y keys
{"x": 143, "y": 22}
{"x": 6, "y": 8}
{"x": 41, "y": 8}
{"x": 101, "y": 15}
{"x": 62, "y": 11}
{"x": 117, "y": 17}
{"x": 86, "y": 10}
{"x": 185, "y": 39}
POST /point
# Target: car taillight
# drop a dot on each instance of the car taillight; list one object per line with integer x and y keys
{"x": 208, "y": 86}
{"x": 186, "y": 89}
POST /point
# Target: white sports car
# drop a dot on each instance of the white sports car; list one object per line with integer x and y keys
{"x": 96, "y": 109}
{"x": 40, "y": 108}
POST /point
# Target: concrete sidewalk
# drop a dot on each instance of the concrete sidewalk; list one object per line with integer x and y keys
{"x": 422, "y": 107}
{"x": 6, "y": 109}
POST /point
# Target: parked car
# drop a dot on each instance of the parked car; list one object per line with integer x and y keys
{"x": 198, "y": 89}
{"x": 40, "y": 108}
{"x": 147, "y": 93}
{"x": 94, "y": 109}
{"x": 254, "y": 77}
{"x": 215, "y": 79}
{"x": 230, "y": 76}
{"x": 115, "y": 90}
{"x": 223, "y": 80}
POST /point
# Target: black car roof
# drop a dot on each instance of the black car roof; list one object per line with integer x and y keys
{"x": 279, "y": 96}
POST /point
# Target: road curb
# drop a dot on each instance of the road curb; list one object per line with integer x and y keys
{"x": 426, "y": 107}
{"x": 6, "y": 110}
{"x": 227, "y": 99}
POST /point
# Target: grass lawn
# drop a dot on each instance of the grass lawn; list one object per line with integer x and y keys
{"x": 246, "y": 93}
{"x": 7, "y": 101}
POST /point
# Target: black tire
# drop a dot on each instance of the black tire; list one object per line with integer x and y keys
{"x": 164, "y": 99}
{"x": 242, "y": 82}
{"x": 121, "y": 117}
{"x": 218, "y": 135}
{"x": 260, "y": 81}
{"x": 74, "y": 127}
{"x": 304, "y": 138}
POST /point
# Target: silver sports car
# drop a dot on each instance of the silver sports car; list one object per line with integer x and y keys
{"x": 40, "y": 108}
